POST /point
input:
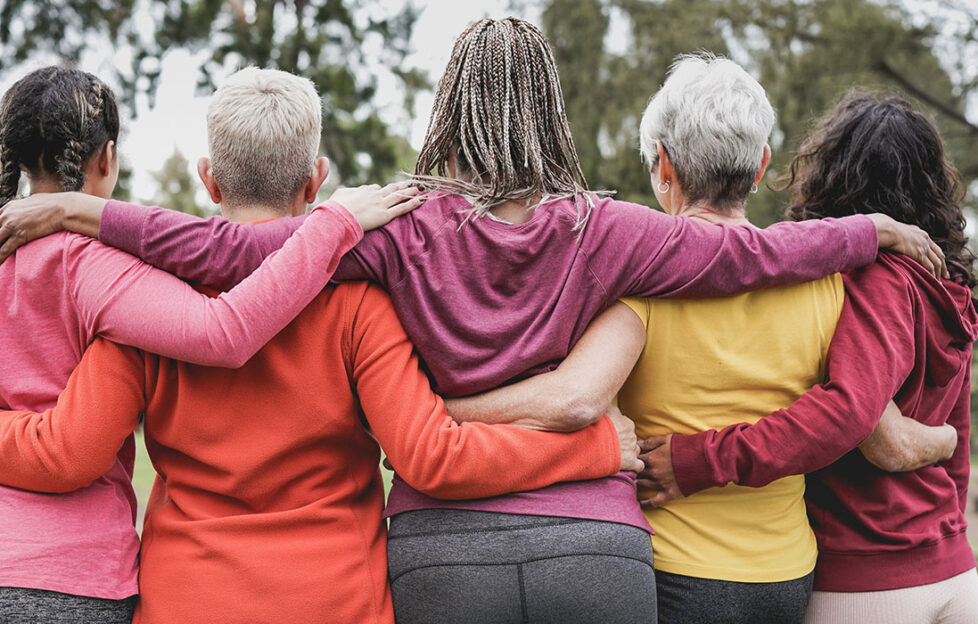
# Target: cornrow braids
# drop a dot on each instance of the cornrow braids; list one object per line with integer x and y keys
{"x": 51, "y": 122}
{"x": 499, "y": 116}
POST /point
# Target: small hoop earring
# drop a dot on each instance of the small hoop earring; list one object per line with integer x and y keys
{"x": 753, "y": 189}
{"x": 663, "y": 190}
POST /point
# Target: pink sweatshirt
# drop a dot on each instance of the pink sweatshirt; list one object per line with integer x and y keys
{"x": 58, "y": 293}
{"x": 493, "y": 302}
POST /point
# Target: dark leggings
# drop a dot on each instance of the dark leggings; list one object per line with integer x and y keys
{"x": 450, "y": 566}
{"x": 36, "y": 606}
{"x": 692, "y": 600}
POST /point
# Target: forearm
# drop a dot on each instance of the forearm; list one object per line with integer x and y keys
{"x": 212, "y": 252}
{"x": 83, "y": 214}
{"x": 71, "y": 445}
{"x": 440, "y": 457}
{"x": 870, "y": 355}
{"x": 703, "y": 260}
{"x": 901, "y": 444}
{"x": 152, "y": 310}
{"x": 574, "y": 395}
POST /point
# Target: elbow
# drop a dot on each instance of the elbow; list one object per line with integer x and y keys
{"x": 229, "y": 357}
{"x": 577, "y": 410}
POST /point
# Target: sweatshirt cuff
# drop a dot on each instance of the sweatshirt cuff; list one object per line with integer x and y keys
{"x": 690, "y": 463}
{"x": 612, "y": 465}
{"x": 863, "y": 241}
{"x": 122, "y": 224}
{"x": 343, "y": 216}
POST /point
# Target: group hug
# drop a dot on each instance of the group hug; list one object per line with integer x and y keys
{"x": 595, "y": 411}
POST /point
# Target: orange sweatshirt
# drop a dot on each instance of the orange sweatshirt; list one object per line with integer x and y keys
{"x": 267, "y": 504}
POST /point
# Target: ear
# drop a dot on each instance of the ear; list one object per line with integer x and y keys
{"x": 320, "y": 171}
{"x": 106, "y": 158}
{"x": 666, "y": 170}
{"x": 765, "y": 161}
{"x": 206, "y": 174}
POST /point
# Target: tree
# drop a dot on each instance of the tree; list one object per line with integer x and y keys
{"x": 324, "y": 40}
{"x": 805, "y": 53}
{"x": 178, "y": 188}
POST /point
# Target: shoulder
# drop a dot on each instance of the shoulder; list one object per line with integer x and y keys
{"x": 889, "y": 275}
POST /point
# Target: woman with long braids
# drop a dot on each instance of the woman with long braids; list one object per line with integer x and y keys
{"x": 73, "y": 557}
{"x": 495, "y": 277}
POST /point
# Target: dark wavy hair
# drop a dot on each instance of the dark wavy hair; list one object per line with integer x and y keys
{"x": 880, "y": 155}
{"x": 53, "y": 120}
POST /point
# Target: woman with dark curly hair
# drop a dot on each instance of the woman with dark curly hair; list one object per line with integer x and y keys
{"x": 892, "y": 546}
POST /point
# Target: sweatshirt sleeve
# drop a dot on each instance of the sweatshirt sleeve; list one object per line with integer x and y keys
{"x": 215, "y": 252}
{"x": 69, "y": 446}
{"x": 439, "y": 457}
{"x": 133, "y": 303}
{"x": 657, "y": 255}
{"x": 870, "y": 356}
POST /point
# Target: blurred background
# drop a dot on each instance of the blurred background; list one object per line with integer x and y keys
{"x": 375, "y": 64}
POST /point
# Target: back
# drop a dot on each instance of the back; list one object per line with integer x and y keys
{"x": 82, "y": 543}
{"x": 269, "y": 497}
{"x": 715, "y": 362}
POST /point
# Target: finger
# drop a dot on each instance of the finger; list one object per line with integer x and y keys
{"x": 397, "y": 186}
{"x": 635, "y": 466}
{"x": 660, "y": 499}
{"x": 651, "y": 443}
{"x": 394, "y": 197}
{"x": 9, "y": 246}
{"x": 406, "y": 207}
{"x": 938, "y": 254}
{"x": 646, "y": 484}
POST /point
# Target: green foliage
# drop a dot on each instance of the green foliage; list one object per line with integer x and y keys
{"x": 806, "y": 54}
{"x": 328, "y": 41}
{"x": 178, "y": 188}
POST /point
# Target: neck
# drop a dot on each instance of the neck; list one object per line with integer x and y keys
{"x": 705, "y": 212}
{"x": 515, "y": 211}
{"x": 51, "y": 184}
{"x": 244, "y": 212}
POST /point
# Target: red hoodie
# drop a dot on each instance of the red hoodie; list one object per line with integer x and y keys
{"x": 903, "y": 335}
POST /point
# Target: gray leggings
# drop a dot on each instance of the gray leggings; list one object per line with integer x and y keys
{"x": 450, "y": 566}
{"x": 692, "y": 600}
{"x": 36, "y": 606}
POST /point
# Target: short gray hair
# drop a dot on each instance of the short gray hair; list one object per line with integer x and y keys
{"x": 713, "y": 119}
{"x": 263, "y": 131}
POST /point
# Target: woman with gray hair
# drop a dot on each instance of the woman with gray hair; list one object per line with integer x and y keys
{"x": 733, "y": 554}
{"x": 490, "y": 300}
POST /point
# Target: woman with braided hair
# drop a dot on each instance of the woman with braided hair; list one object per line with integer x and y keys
{"x": 72, "y": 558}
{"x": 495, "y": 278}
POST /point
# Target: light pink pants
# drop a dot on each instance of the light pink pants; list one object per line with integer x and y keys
{"x": 953, "y": 601}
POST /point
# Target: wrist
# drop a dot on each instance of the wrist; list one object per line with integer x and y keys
{"x": 885, "y": 231}
{"x": 81, "y": 213}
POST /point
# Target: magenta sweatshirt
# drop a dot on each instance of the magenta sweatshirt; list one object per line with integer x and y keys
{"x": 491, "y": 302}
{"x": 58, "y": 293}
{"x": 902, "y": 335}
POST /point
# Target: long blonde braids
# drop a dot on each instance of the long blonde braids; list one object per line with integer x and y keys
{"x": 499, "y": 115}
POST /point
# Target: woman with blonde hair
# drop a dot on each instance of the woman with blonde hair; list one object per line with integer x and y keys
{"x": 495, "y": 278}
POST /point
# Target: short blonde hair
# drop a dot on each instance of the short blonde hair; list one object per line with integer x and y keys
{"x": 713, "y": 119}
{"x": 263, "y": 131}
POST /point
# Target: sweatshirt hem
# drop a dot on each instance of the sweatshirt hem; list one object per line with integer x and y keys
{"x": 922, "y": 565}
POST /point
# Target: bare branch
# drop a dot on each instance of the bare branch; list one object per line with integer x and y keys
{"x": 943, "y": 107}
